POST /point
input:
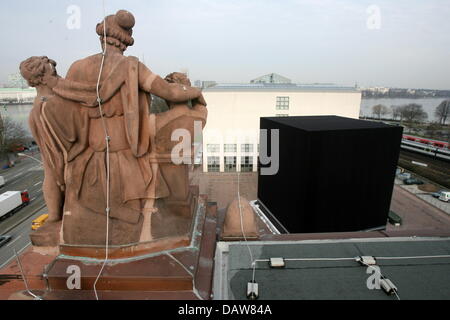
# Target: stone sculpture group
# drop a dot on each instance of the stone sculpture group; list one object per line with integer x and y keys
{"x": 106, "y": 156}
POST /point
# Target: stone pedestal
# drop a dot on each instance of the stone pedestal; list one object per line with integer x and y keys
{"x": 170, "y": 268}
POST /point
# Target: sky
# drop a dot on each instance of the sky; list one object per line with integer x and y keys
{"x": 388, "y": 43}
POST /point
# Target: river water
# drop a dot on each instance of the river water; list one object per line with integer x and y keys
{"x": 20, "y": 113}
{"x": 17, "y": 112}
{"x": 429, "y": 105}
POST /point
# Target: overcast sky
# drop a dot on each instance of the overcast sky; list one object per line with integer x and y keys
{"x": 403, "y": 43}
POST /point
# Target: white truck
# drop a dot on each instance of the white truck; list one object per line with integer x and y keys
{"x": 11, "y": 201}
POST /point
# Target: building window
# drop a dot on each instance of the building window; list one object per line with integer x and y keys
{"x": 246, "y": 164}
{"x": 247, "y": 147}
{"x": 282, "y": 103}
{"x": 212, "y": 148}
{"x": 282, "y": 115}
{"x": 230, "y": 147}
{"x": 213, "y": 164}
{"x": 230, "y": 164}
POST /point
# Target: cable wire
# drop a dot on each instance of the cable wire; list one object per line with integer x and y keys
{"x": 413, "y": 257}
{"x": 348, "y": 259}
{"x": 242, "y": 226}
{"x": 107, "y": 142}
{"x": 36, "y": 297}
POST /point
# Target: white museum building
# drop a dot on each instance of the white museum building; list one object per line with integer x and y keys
{"x": 231, "y": 134}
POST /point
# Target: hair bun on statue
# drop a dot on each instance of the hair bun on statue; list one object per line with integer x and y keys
{"x": 118, "y": 29}
{"x": 125, "y": 19}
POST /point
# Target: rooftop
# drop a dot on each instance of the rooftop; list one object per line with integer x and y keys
{"x": 286, "y": 87}
{"x": 404, "y": 261}
{"x": 271, "y": 78}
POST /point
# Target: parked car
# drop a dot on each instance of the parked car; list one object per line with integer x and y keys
{"x": 2, "y": 181}
{"x": 445, "y": 196}
{"x": 404, "y": 175}
{"x": 437, "y": 194}
{"x": 412, "y": 181}
{"x": 4, "y": 240}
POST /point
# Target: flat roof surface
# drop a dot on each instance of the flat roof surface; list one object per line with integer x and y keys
{"x": 325, "y": 123}
{"x": 336, "y": 280}
{"x": 279, "y": 87}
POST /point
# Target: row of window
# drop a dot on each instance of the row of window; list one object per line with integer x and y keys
{"x": 230, "y": 164}
{"x": 282, "y": 103}
{"x": 229, "y": 147}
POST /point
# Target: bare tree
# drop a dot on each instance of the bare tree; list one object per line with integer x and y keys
{"x": 12, "y": 136}
{"x": 380, "y": 110}
{"x": 432, "y": 129}
{"x": 396, "y": 112}
{"x": 413, "y": 112}
{"x": 442, "y": 111}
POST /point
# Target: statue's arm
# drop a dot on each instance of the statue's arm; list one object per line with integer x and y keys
{"x": 174, "y": 92}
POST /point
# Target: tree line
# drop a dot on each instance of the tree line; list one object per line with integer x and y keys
{"x": 12, "y": 136}
{"x": 413, "y": 112}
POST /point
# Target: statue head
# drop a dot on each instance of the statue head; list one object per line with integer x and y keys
{"x": 39, "y": 71}
{"x": 178, "y": 77}
{"x": 118, "y": 29}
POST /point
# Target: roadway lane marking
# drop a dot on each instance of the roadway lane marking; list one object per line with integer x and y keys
{"x": 13, "y": 256}
{"x": 19, "y": 175}
{"x": 32, "y": 199}
{"x": 36, "y": 168}
{"x": 37, "y": 183}
{"x": 14, "y": 240}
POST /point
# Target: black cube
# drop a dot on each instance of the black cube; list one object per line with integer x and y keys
{"x": 335, "y": 174}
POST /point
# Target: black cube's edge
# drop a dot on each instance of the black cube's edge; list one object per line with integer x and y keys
{"x": 335, "y": 174}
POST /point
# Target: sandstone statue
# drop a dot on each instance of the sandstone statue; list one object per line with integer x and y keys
{"x": 82, "y": 136}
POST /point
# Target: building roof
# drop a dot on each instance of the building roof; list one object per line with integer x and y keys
{"x": 424, "y": 278}
{"x": 271, "y": 78}
{"x": 286, "y": 87}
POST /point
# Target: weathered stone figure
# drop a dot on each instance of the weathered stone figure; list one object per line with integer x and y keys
{"x": 78, "y": 132}
{"x": 40, "y": 72}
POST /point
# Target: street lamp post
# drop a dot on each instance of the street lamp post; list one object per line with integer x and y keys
{"x": 25, "y": 155}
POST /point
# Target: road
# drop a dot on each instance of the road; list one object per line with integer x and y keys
{"x": 26, "y": 175}
{"x": 416, "y": 213}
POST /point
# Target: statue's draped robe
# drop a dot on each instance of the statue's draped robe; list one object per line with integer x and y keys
{"x": 74, "y": 120}
{"x": 52, "y": 157}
